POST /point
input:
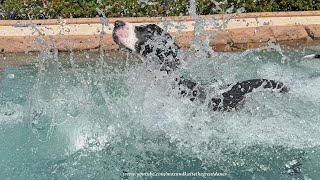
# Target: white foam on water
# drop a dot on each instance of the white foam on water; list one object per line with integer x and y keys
{"x": 308, "y": 90}
{"x": 267, "y": 119}
{"x": 138, "y": 102}
{"x": 303, "y": 81}
{"x": 11, "y": 113}
{"x": 150, "y": 105}
{"x": 89, "y": 110}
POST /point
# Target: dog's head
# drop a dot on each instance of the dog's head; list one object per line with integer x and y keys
{"x": 148, "y": 40}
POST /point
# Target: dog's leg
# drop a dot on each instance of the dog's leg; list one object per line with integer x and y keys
{"x": 230, "y": 99}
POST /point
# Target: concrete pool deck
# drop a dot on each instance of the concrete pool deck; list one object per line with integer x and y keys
{"x": 241, "y": 32}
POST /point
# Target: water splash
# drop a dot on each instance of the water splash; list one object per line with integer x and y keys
{"x": 110, "y": 115}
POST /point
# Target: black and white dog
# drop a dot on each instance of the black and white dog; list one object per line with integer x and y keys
{"x": 152, "y": 44}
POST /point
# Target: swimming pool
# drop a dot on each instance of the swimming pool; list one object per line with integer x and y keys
{"x": 104, "y": 115}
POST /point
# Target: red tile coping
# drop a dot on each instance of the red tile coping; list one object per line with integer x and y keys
{"x": 157, "y": 19}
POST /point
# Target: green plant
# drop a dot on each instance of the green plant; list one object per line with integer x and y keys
{"x": 51, "y": 9}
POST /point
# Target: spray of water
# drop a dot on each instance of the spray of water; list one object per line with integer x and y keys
{"x": 111, "y": 115}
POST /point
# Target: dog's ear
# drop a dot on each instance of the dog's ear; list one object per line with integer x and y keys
{"x": 153, "y": 28}
{"x": 156, "y": 30}
{"x": 146, "y": 32}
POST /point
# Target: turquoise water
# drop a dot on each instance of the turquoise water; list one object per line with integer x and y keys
{"x": 85, "y": 116}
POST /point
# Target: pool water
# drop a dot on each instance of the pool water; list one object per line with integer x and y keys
{"x": 100, "y": 116}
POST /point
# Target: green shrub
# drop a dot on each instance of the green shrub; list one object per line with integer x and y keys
{"x": 51, "y": 9}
